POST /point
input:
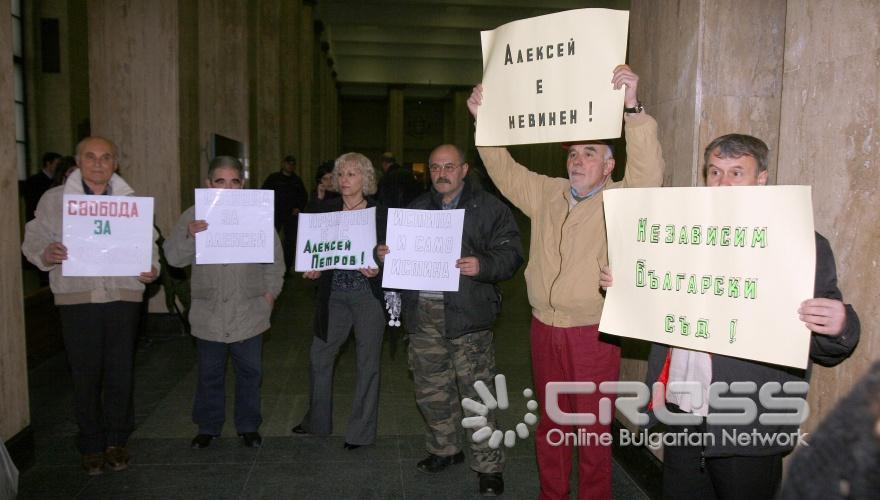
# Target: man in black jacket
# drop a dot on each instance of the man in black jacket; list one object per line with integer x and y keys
{"x": 749, "y": 466}
{"x": 450, "y": 338}
{"x": 291, "y": 198}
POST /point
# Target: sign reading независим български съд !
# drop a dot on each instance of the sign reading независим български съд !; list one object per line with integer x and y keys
{"x": 715, "y": 269}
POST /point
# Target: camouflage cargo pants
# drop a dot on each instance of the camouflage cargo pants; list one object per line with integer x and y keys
{"x": 444, "y": 372}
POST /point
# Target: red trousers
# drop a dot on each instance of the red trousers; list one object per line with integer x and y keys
{"x": 565, "y": 355}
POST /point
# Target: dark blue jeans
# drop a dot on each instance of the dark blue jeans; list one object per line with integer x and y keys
{"x": 209, "y": 409}
{"x": 99, "y": 340}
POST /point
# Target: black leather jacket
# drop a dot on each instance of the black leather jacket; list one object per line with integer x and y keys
{"x": 490, "y": 234}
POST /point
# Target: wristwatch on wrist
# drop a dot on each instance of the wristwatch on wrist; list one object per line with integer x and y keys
{"x": 638, "y": 108}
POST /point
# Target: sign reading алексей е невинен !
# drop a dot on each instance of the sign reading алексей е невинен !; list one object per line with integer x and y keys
{"x": 343, "y": 239}
{"x": 548, "y": 78}
{"x": 107, "y": 235}
{"x": 240, "y": 226}
{"x": 715, "y": 269}
{"x": 424, "y": 246}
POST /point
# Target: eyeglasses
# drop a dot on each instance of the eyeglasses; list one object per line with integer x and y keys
{"x": 448, "y": 167}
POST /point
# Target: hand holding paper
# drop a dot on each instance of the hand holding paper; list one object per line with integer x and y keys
{"x": 469, "y": 266}
{"x": 624, "y": 77}
{"x": 823, "y": 316}
{"x": 54, "y": 253}
{"x": 197, "y": 226}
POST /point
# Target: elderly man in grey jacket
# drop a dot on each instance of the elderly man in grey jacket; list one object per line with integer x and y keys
{"x": 231, "y": 305}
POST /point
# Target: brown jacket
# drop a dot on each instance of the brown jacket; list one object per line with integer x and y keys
{"x": 568, "y": 244}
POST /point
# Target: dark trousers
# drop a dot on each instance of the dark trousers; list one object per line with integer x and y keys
{"x": 99, "y": 340}
{"x": 572, "y": 354}
{"x": 209, "y": 409}
{"x": 687, "y": 473}
{"x": 361, "y": 310}
{"x": 288, "y": 239}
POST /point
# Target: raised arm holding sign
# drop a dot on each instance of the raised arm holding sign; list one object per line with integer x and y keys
{"x": 567, "y": 245}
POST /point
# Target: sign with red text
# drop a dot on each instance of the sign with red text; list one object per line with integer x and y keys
{"x": 241, "y": 226}
{"x": 107, "y": 235}
{"x": 714, "y": 269}
{"x": 548, "y": 78}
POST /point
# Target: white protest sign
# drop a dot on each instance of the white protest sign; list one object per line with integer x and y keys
{"x": 716, "y": 269}
{"x": 548, "y": 78}
{"x": 336, "y": 240}
{"x": 240, "y": 226}
{"x": 107, "y": 235}
{"x": 424, "y": 245}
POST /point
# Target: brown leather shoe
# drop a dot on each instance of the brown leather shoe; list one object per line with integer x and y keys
{"x": 116, "y": 457}
{"x": 93, "y": 463}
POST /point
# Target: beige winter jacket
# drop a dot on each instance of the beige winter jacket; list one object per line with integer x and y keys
{"x": 227, "y": 299}
{"x": 567, "y": 246}
{"x": 46, "y": 228}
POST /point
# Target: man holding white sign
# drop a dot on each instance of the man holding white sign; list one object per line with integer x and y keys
{"x": 99, "y": 314}
{"x": 567, "y": 245}
{"x": 451, "y": 341}
{"x": 231, "y": 306}
{"x": 742, "y": 459}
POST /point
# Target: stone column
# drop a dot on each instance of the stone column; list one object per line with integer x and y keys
{"x": 703, "y": 74}
{"x": 134, "y": 94}
{"x": 14, "y": 409}
{"x": 830, "y": 140}
{"x": 709, "y": 76}
{"x": 265, "y": 119}
{"x": 395, "y": 122}
{"x": 462, "y": 121}
{"x": 306, "y": 82}
{"x": 289, "y": 77}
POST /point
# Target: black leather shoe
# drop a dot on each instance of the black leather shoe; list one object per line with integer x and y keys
{"x": 349, "y": 446}
{"x": 491, "y": 484}
{"x": 252, "y": 439}
{"x": 299, "y": 429}
{"x": 202, "y": 441}
{"x": 436, "y": 463}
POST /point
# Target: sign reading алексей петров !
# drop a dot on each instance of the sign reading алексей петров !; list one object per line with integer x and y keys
{"x": 240, "y": 226}
{"x": 424, "y": 246}
{"x": 107, "y": 235}
{"x": 715, "y": 269}
{"x": 548, "y": 78}
{"x": 336, "y": 240}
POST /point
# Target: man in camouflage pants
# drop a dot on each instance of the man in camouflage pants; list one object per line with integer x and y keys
{"x": 450, "y": 332}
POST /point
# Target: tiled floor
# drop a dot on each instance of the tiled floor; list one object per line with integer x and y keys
{"x": 164, "y": 466}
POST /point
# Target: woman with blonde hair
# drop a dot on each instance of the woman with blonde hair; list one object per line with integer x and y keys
{"x": 346, "y": 299}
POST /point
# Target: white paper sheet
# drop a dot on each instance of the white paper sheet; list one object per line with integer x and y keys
{"x": 424, "y": 245}
{"x": 240, "y": 226}
{"x": 336, "y": 240}
{"x": 107, "y": 235}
